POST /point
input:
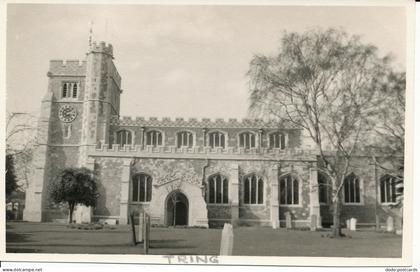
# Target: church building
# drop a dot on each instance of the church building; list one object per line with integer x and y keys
{"x": 185, "y": 171}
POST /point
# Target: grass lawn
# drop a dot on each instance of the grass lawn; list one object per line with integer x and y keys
{"x": 57, "y": 238}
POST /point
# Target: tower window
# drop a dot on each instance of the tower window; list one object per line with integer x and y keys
{"x": 247, "y": 140}
{"x": 70, "y": 90}
{"x": 67, "y": 130}
{"x": 75, "y": 89}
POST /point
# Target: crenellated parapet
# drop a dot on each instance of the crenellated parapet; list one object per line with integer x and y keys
{"x": 198, "y": 152}
{"x": 67, "y": 68}
{"x": 102, "y": 48}
{"x": 200, "y": 123}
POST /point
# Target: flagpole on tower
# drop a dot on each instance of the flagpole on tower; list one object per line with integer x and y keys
{"x": 90, "y": 33}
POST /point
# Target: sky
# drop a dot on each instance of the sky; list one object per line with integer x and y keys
{"x": 175, "y": 61}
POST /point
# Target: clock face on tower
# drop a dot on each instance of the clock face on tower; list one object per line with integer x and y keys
{"x": 67, "y": 113}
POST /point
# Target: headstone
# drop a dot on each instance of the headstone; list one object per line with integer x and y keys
{"x": 77, "y": 215}
{"x": 275, "y": 224}
{"x": 9, "y": 206}
{"x": 226, "y": 243}
{"x": 288, "y": 220}
{"x": 390, "y": 224}
{"x": 110, "y": 221}
{"x": 86, "y": 214}
{"x": 314, "y": 222}
{"x": 141, "y": 226}
{"x": 353, "y": 223}
{"x": 16, "y": 210}
{"x": 348, "y": 223}
{"x": 83, "y": 214}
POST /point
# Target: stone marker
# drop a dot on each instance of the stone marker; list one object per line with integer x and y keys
{"x": 353, "y": 223}
{"x": 314, "y": 222}
{"x": 377, "y": 223}
{"x": 110, "y": 221}
{"x": 288, "y": 220}
{"x": 226, "y": 243}
{"x": 77, "y": 215}
{"x": 275, "y": 224}
{"x": 390, "y": 224}
{"x": 83, "y": 214}
{"x": 141, "y": 226}
{"x": 348, "y": 223}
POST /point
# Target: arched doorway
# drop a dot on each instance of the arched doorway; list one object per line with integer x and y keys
{"x": 176, "y": 209}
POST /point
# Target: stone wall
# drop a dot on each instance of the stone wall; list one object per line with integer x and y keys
{"x": 109, "y": 187}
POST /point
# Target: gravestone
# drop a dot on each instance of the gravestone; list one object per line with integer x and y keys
{"x": 314, "y": 222}
{"x": 226, "y": 243}
{"x": 288, "y": 220}
{"x": 353, "y": 223}
{"x": 275, "y": 224}
{"x": 83, "y": 214}
{"x": 141, "y": 228}
{"x": 377, "y": 223}
{"x": 390, "y": 224}
{"x": 348, "y": 224}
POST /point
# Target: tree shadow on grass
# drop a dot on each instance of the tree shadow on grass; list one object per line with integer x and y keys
{"x": 13, "y": 237}
{"x": 169, "y": 243}
{"x": 22, "y": 250}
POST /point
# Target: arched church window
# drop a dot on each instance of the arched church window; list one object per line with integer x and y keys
{"x": 277, "y": 140}
{"x": 216, "y": 139}
{"x": 323, "y": 188}
{"x": 289, "y": 190}
{"x": 218, "y": 189}
{"x": 253, "y": 188}
{"x": 124, "y": 137}
{"x": 247, "y": 140}
{"x": 351, "y": 189}
{"x": 185, "y": 139}
{"x": 142, "y": 188}
{"x": 154, "y": 138}
{"x": 388, "y": 189}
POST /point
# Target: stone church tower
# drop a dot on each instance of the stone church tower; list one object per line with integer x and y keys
{"x": 75, "y": 114}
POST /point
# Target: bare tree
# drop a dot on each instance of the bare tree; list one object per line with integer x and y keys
{"x": 20, "y": 141}
{"x": 390, "y": 131}
{"x": 327, "y": 83}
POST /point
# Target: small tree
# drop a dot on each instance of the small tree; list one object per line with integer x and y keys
{"x": 74, "y": 186}
{"x": 326, "y": 83}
